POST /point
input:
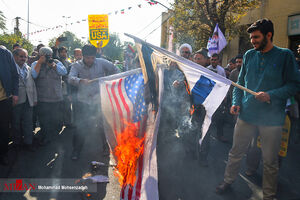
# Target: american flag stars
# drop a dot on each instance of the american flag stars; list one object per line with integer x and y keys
{"x": 134, "y": 86}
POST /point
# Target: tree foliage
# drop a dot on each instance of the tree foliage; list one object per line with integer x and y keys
{"x": 72, "y": 42}
{"x": 8, "y": 40}
{"x": 194, "y": 20}
{"x": 2, "y": 21}
{"x": 114, "y": 49}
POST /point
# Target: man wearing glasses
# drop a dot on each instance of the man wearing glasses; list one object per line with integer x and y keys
{"x": 185, "y": 50}
{"x": 48, "y": 73}
{"x": 22, "y": 112}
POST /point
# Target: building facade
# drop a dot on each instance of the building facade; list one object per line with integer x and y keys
{"x": 285, "y": 16}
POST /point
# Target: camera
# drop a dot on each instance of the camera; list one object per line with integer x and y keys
{"x": 49, "y": 59}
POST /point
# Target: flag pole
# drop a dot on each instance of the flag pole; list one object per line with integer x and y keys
{"x": 173, "y": 58}
{"x": 243, "y": 88}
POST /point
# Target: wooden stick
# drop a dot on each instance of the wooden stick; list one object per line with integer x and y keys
{"x": 93, "y": 80}
{"x": 243, "y": 88}
{"x": 233, "y": 83}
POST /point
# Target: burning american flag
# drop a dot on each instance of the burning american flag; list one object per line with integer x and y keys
{"x": 130, "y": 128}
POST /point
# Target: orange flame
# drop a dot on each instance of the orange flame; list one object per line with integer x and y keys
{"x": 187, "y": 87}
{"x": 192, "y": 110}
{"x": 128, "y": 151}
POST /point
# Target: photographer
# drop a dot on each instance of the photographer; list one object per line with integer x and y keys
{"x": 48, "y": 73}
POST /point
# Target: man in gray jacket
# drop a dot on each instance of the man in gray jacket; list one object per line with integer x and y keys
{"x": 22, "y": 112}
{"x": 48, "y": 73}
{"x": 82, "y": 74}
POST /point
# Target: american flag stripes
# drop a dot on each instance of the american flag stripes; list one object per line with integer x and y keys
{"x": 122, "y": 101}
{"x": 125, "y": 97}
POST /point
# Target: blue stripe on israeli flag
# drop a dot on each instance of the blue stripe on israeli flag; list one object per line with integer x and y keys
{"x": 202, "y": 89}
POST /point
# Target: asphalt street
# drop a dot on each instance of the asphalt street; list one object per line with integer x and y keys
{"x": 54, "y": 162}
{"x": 180, "y": 175}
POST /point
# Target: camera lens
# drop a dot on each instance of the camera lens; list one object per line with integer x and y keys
{"x": 47, "y": 57}
{"x": 50, "y": 60}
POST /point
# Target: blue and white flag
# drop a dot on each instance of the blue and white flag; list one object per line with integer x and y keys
{"x": 217, "y": 42}
{"x": 206, "y": 87}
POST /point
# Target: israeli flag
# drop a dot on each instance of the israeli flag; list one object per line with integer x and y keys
{"x": 206, "y": 87}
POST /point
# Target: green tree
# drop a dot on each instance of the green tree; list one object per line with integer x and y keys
{"x": 126, "y": 43}
{"x": 2, "y": 21}
{"x": 114, "y": 49}
{"x": 194, "y": 20}
{"x": 8, "y": 40}
{"x": 72, "y": 42}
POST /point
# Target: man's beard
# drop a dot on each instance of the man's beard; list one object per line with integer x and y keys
{"x": 262, "y": 45}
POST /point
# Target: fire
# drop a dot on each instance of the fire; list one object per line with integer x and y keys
{"x": 192, "y": 110}
{"x": 187, "y": 87}
{"x": 129, "y": 149}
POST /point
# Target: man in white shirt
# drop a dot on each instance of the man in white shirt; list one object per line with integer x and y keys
{"x": 214, "y": 60}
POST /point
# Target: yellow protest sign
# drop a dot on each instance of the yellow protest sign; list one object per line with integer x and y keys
{"x": 98, "y": 30}
{"x": 284, "y": 138}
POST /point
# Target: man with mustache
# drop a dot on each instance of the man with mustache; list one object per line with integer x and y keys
{"x": 22, "y": 112}
{"x": 272, "y": 73}
{"x": 83, "y": 75}
{"x": 48, "y": 73}
{"x": 77, "y": 54}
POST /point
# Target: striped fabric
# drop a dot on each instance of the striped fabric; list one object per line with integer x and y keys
{"x": 125, "y": 103}
{"x": 207, "y": 88}
{"x": 122, "y": 101}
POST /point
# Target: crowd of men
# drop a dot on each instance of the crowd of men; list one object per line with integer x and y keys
{"x": 47, "y": 88}
{"x": 48, "y": 91}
